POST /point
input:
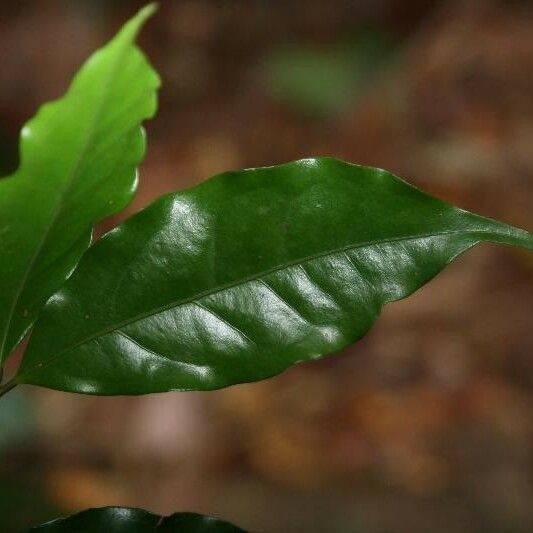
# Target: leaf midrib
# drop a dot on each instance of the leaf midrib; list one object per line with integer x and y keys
{"x": 61, "y": 200}
{"x": 254, "y": 277}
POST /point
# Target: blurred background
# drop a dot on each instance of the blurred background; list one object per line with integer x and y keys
{"x": 424, "y": 425}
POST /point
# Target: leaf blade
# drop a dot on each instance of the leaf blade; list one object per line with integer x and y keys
{"x": 128, "y": 520}
{"x": 243, "y": 276}
{"x": 78, "y": 164}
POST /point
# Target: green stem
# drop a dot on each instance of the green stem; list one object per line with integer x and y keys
{"x": 6, "y": 387}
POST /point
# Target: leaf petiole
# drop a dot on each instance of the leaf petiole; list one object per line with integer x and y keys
{"x": 6, "y": 387}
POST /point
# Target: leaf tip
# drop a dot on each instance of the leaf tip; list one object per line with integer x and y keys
{"x": 134, "y": 25}
{"x": 524, "y": 238}
{"x": 147, "y": 11}
{"x": 511, "y": 235}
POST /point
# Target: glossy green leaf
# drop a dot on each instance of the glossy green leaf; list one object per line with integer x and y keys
{"x": 78, "y": 165}
{"x": 195, "y": 523}
{"x": 244, "y": 275}
{"x": 125, "y": 520}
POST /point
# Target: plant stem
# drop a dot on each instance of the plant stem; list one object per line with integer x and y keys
{"x": 6, "y": 387}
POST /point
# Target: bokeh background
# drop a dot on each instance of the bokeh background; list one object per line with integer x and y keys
{"x": 424, "y": 425}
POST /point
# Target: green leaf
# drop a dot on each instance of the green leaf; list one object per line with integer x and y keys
{"x": 124, "y": 520}
{"x": 195, "y": 523}
{"x": 244, "y": 275}
{"x": 319, "y": 82}
{"x": 78, "y": 165}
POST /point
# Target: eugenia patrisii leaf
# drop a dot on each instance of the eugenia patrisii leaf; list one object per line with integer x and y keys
{"x": 78, "y": 165}
{"x": 125, "y": 520}
{"x": 244, "y": 275}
